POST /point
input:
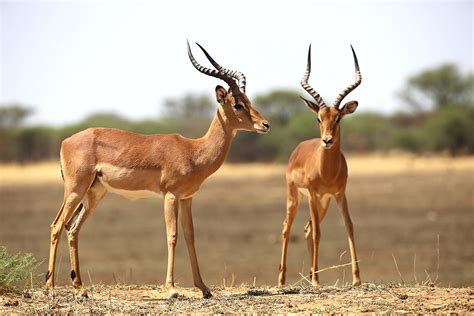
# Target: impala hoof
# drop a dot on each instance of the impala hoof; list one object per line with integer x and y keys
{"x": 206, "y": 294}
{"x": 356, "y": 283}
{"x": 49, "y": 291}
{"x": 82, "y": 293}
{"x": 172, "y": 293}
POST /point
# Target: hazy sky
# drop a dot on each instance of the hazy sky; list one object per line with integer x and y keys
{"x": 68, "y": 59}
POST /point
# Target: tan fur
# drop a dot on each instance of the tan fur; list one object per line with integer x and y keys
{"x": 98, "y": 160}
{"x": 322, "y": 173}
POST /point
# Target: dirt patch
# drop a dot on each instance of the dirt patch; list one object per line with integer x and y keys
{"x": 153, "y": 299}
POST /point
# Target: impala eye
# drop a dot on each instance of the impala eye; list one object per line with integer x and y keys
{"x": 319, "y": 121}
{"x": 338, "y": 119}
{"x": 238, "y": 106}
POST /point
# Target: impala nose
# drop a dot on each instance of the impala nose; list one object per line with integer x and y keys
{"x": 266, "y": 125}
{"x": 327, "y": 141}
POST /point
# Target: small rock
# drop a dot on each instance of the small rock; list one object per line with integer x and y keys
{"x": 402, "y": 296}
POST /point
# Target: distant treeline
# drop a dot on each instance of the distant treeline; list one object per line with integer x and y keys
{"x": 440, "y": 118}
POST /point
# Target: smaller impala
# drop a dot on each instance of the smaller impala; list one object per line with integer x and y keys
{"x": 101, "y": 160}
{"x": 317, "y": 168}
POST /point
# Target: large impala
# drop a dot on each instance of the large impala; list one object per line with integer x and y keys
{"x": 101, "y": 160}
{"x": 317, "y": 168}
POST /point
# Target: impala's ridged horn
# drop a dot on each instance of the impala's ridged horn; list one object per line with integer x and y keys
{"x": 240, "y": 77}
{"x": 358, "y": 80}
{"x": 214, "y": 73}
{"x": 306, "y": 86}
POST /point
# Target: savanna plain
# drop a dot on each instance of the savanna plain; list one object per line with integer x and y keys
{"x": 413, "y": 219}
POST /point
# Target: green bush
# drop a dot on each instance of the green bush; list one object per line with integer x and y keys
{"x": 14, "y": 268}
{"x": 367, "y": 131}
{"x": 450, "y": 128}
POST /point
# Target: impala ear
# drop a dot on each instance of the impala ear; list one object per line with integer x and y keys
{"x": 312, "y": 106}
{"x": 221, "y": 94}
{"x": 349, "y": 107}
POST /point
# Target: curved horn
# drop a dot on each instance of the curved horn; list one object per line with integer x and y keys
{"x": 306, "y": 86}
{"x": 240, "y": 77}
{"x": 358, "y": 80}
{"x": 214, "y": 73}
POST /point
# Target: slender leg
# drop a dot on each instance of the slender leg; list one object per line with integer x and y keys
{"x": 316, "y": 236}
{"x": 342, "y": 204}
{"x": 292, "y": 203}
{"x": 186, "y": 218}
{"x": 308, "y": 232}
{"x": 171, "y": 214}
{"x": 322, "y": 211}
{"x": 72, "y": 200}
{"x": 92, "y": 198}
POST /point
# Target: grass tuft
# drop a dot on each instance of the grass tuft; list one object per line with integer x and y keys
{"x": 15, "y": 268}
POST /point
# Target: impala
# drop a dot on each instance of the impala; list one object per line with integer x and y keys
{"x": 100, "y": 160}
{"x": 317, "y": 168}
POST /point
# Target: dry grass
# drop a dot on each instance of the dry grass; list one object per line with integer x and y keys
{"x": 389, "y": 164}
{"x": 30, "y": 174}
{"x": 399, "y": 205}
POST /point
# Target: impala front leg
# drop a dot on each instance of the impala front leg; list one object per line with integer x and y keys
{"x": 171, "y": 214}
{"x": 342, "y": 203}
{"x": 292, "y": 204}
{"x": 315, "y": 237}
{"x": 186, "y": 218}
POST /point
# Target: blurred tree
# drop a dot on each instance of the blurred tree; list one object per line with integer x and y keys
{"x": 279, "y": 106}
{"x": 105, "y": 119}
{"x": 35, "y": 143}
{"x": 367, "y": 131}
{"x": 189, "y": 106}
{"x": 290, "y": 120}
{"x": 450, "y": 128}
{"x": 190, "y": 114}
{"x": 447, "y": 126}
{"x": 14, "y": 114}
{"x": 438, "y": 87}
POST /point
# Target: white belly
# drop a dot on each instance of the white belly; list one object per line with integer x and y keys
{"x": 129, "y": 194}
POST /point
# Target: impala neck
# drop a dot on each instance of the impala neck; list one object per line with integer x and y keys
{"x": 330, "y": 159}
{"x": 215, "y": 144}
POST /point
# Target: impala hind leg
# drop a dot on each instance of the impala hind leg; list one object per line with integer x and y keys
{"x": 73, "y": 196}
{"x": 171, "y": 214}
{"x": 186, "y": 218}
{"x": 90, "y": 202}
{"x": 342, "y": 204}
{"x": 292, "y": 204}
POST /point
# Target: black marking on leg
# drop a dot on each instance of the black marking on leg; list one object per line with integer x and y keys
{"x": 79, "y": 209}
{"x": 48, "y": 274}
{"x": 73, "y": 275}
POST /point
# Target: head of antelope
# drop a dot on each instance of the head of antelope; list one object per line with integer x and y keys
{"x": 329, "y": 117}
{"x": 234, "y": 103}
{"x": 240, "y": 112}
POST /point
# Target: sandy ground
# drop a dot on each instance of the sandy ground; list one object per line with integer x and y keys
{"x": 368, "y": 298}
